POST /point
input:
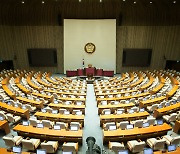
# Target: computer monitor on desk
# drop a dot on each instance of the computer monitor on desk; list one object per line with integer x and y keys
{"x": 172, "y": 148}
{"x": 16, "y": 149}
{"x": 40, "y": 151}
{"x": 148, "y": 151}
{"x": 40, "y": 125}
{"x": 130, "y": 126}
{"x": 146, "y": 124}
{"x": 159, "y": 122}
{"x": 123, "y": 152}
{"x": 57, "y": 127}
{"x": 1, "y": 118}
{"x": 25, "y": 123}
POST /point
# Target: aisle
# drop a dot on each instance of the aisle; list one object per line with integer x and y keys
{"x": 92, "y": 120}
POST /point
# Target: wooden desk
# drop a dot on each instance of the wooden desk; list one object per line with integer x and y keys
{"x": 166, "y": 110}
{"x": 136, "y": 133}
{"x": 123, "y": 117}
{"x": 161, "y": 84}
{"x": 39, "y": 76}
{"x": 28, "y": 79}
{"x": 65, "y": 93}
{"x": 138, "y": 81}
{"x": 151, "y": 101}
{"x": 177, "y": 127}
{"x": 4, "y": 125}
{"x": 49, "y": 134}
{"x": 131, "y": 79}
{"x": 122, "y": 98}
{"x": 173, "y": 152}
{"x": 114, "y": 93}
{"x": 60, "y": 117}
{"x": 68, "y": 107}
{"x": 9, "y": 92}
{"x": 48, "y": 78}
{"x": 172, "y": 91}
{"x": 15, "y": 110}
{"x": 38, "y": 104}
{"x": 47, "y": 97}
{"x": 114, "y": 107}
{"x": 151, "y": 80}
{"x": 5, "y": 151}
{"x": 20, "y": 86}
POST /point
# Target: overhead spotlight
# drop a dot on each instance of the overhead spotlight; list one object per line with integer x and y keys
{"x": 134, "y": 2}
{"x": 124, "y": 0}
{"x": 22, "y": 2}
{"x": 79, "y": 0}
{"x": 174, "y": 2}
{"x": 150, "y": 2}
{"x": 100, "y": 1}
{"x": 42, "y": 2}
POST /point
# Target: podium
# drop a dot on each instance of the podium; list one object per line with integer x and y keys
{"x": 90, "y": 71}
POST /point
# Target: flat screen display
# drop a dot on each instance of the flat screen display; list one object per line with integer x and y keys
{"x": 137, "y": 57}
{"x": 57, "y": 127}
{"x": 40, "y": 151}
{"x": 171, "y": 147}
{"x": 42, "y": 57}
{"x": 129, "y": 126}
{"x": 123, "y": 152}
{"x": 148, "y": 151}
{"x": 16, "y": 149}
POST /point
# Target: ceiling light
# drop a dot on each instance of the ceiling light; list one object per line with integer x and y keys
{"x": 174, "y": 2}
{"x": 100, "y": 1}
{"x": 134, "y": 2}
{"x": 150, "y": 2}
{"x": 124, "y": 0}
{"x": 22, "y": 2}
{"x": 42, "y": 2}
{"x": 79, "y": 0}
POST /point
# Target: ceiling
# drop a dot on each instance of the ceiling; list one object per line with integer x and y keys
{"x": 52, "y": 12}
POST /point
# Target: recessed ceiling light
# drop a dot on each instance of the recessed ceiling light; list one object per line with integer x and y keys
{"x": 150, "y": 2}
{"x": 134, "y": 2}
{"x": 22, "y": 2}
{"x": 100, "y": 1}
{"x": 42, "y": 2}
{"x": 174, "y": 2}
{"x": 124, "y": 0}
{"x": 79, "y": 0}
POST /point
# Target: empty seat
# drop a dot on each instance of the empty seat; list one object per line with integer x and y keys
{"x": 152, "y": 108}
{"x": 172, "y": 140}
{"x": 75, "y": 125}
{"x": 62, "y": 125}
{"x": 116, "y": 146}
{"x": 70, "y": 147}
{"x": 77, "y": 112}
{"x": 30, "y": 108}
{"x": 156, "y": 144}
{"x": 30, "y": 144}
{"x": 170, "y": 118}
{"x": 123, "y": 124}
{"x": 61, "y": 111}
{"x": 136, "y": 146}
{"x": 50, "y": 146}
{"x": 150, "y": 120}
{"x": 12, "y": 118}
{"x": 137, "y": 123}
{"x": 33, "y": 121}
{"x": 106, "y": 111}
{"x": 48, "y": 123}
{"x": 12, "y": 141}
{"x": 109, "y": 126}
{"x": 120, "y": 111}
